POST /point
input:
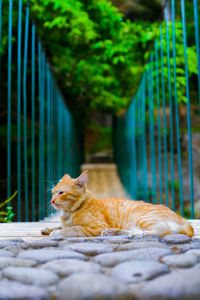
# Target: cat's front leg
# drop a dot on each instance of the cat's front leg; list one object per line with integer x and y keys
{"x": 74, "y": 231}
{"x": 47, "y": 231}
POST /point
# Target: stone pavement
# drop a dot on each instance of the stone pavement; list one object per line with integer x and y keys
{"x": 115, "y": 267}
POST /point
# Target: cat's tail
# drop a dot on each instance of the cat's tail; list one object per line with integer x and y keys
{"x": 187, "y": 229}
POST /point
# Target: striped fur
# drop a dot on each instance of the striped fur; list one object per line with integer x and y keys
{"x": 83, "y": 215}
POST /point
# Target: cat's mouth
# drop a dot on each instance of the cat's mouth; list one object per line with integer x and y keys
{"x": 56, "y": 205}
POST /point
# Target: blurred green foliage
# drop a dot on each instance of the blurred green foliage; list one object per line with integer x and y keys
{"x": 97, "y": 55}
{"x": 6, "y": 216}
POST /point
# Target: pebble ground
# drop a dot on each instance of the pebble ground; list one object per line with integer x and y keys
{"x": 115, "y": 267}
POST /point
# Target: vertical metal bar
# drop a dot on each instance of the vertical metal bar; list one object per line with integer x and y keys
{"x": 151, "y": 121}
{"x": 171, "y": 117}
{"x": 196, "y": 23}
{"x": 164, "y": 117}
{"x": 9, "y": 100}
{"x": 176, "y": 108}
{"x": 134, "y": 161}
{"x": 188, "y": 109}
{"x": 137, "y": 148}
{"x": 59, "y": 136}
{"x": 52, "y": 126}
{"x": 158, "y": 122}
{"x": 40, "y": 135}
{"x": 43, "y": 134}
{"x": 25, "y": 115}
{"x": 48, "y": 164}
{"x": 144, "y": 138}
{"x": 33, "y": 120}
{"x": 19, "y": 112}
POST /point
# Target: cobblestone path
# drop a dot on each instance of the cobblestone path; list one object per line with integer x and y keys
{"x": 117, "y": 267}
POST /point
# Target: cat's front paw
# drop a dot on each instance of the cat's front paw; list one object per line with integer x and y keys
{"x": 133, "y": 235}
{"x": 57, "y": 235}
{"x": 108, "y": 232}
{"x": 45, "y": 231}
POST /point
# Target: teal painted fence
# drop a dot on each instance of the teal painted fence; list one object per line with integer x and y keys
{"x": 39, "y": 138}
{"x": 157, "y": 140}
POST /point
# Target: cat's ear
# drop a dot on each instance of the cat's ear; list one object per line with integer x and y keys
{"x": 66, "y": 176}
{"x": 81, "y": 180}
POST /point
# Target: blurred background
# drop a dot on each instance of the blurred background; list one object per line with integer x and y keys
{"x": 69, "y": 71}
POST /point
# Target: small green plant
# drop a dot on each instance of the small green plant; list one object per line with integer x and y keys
{"x": 6, "y": 216}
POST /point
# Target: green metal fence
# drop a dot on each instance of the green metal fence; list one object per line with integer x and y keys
{"x": 157, "y": 141}
{"x": 39, "y": 138}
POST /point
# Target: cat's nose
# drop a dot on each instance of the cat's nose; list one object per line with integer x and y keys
{"x": 52, "y": 201}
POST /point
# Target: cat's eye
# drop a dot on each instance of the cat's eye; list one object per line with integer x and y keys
{"x": 60, "y": 193}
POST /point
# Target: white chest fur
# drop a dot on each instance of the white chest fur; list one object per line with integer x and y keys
{"x": 66, "y": 219}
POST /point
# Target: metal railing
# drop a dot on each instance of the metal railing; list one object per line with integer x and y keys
{"x": 39, "y": 138}
{"x": 157, "y": 141}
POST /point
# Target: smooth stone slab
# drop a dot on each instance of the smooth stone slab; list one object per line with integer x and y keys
{"x": 136, "y": 271}
{"x": 111, "y": 259}
{"x": 17, "y": 291}
{"x": 177, "y": 239}
{"x": 15, "y": 262}
{"x": 150, "y": 238}
{"x": 81, "y": 239}
{"x": 195, "y": 244}
{"x": 89, "y": 248}
{"x": 182, "y": 284}
{"x": 195, "y": 252}
{"x": 118, "y": 239}
{"x": 44, "y": 255}
{"x": 93, "y": 286}
{"x": 9, "y": 243}
{"x": 180, "y": 260}
{"x": 32, "y": 276}
{"x": 41, "y": 244}
{"x": 65, "y": 267}
{"x": 99, "y": 239}
{"x": 6, "y": 253}
{"x": 140, "y": 244}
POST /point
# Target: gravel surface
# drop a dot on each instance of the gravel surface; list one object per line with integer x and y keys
{"x": 143, "y": 267}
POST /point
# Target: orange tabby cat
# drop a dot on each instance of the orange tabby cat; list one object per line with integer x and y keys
{"x": 83, "y": 215}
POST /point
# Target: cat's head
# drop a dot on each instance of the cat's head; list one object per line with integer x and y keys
{"x": 69, "y": 193}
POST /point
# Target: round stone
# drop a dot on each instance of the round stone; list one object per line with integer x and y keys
{"x": 17, "y": 291}
{"x": 89, "y": 248}
{"x": 65, "y": 267}
{"x": 183, "y": 284}
{"x": 180, "y": 260}
{"x": 9, "y": 243}
{"x": 92, "y": 286}
{"x": 195, "y": 252}
{"x": 195, "y": 244}
{"x": 32, "y": 276}
{"x": 120, "y": 239}
{"x": 6, "y": 253}
{"x": 140, "y": 244}
{"x": 41, "y": 244}
{"x": 136, "y": 271}
{"x": 147, "y": 238}
{"x": 81, "y": 239}
{"x": 177, "y": 239}
{"x": 111, "y": 259}
{"x": 15, "y": 262}
{"x": 44, "y": 255}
